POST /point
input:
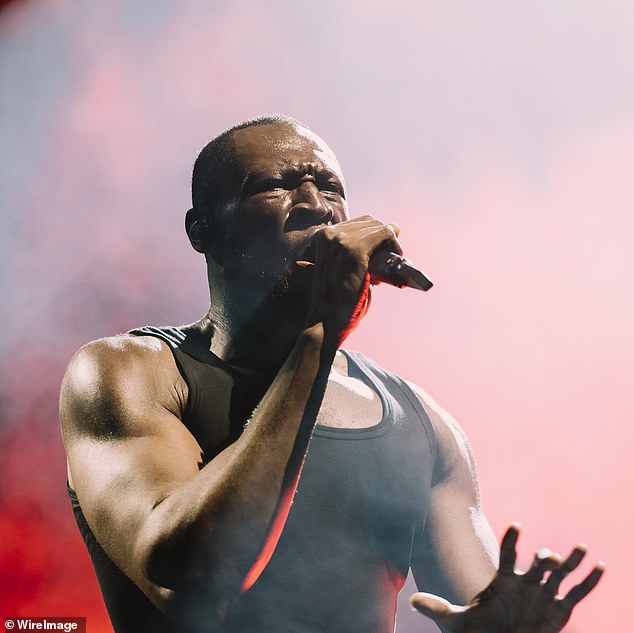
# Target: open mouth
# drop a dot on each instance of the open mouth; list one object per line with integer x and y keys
{"x": 302, "y": 218}
{"x": 304, "y": 250}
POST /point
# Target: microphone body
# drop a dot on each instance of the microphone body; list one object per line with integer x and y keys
{"x": 391, "y": 268}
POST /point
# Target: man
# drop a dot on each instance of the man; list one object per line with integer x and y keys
{"x": 186, "y": 446}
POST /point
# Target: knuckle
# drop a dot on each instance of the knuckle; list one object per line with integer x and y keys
{"x": 328, "y": 234}
{"x": 335, "y": 236}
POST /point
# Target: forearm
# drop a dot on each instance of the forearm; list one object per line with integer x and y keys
{"x": 207, "y": 534}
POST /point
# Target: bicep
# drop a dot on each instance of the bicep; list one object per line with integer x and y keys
{"x": 119, "y": 481}
{"x": 456, "y": 554}
{"x": 126, "y": 452}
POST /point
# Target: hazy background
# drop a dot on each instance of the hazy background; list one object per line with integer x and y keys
{"x": 499, "y": 135}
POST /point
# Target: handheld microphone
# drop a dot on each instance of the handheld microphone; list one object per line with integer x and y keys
{"x": 390, "y": 268}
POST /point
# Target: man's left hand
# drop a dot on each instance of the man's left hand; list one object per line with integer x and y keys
{"x": 516, "y": 602}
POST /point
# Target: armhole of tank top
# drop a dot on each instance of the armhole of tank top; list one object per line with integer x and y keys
{"x": 369, "y": 366}
{"x": 172, "y": 343}
{"x": 360, "y": 370}
{"x": 420, "y": 412}
{"x": 71, "y": 493}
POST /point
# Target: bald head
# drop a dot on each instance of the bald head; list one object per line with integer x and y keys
{"x": 224, "y": 163}
{"x": 216, "y": 168}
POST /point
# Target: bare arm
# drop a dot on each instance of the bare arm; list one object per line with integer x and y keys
{"x": 457, "y": 555}
{"x": 189, "y": 536}
{"x": 459, "y": 549}
{"x": 172, "y": 527}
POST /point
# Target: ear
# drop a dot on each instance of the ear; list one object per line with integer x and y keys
{"x": 197, "y": 229}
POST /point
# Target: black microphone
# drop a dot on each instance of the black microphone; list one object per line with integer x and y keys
{"x": 390, "y": 268}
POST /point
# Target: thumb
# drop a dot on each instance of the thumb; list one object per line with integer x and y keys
{"x": 439, "y": 610}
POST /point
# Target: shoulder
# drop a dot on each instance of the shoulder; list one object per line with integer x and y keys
{"x": 123, "y": 372}
{"x": 454, "y": 452}
{"x": 369, "y": 366}
{"x": 121, "y": 348}
{"x": 113, "y": 360}
{"x": 441, "y": 418}
{"x": 453, "y": 456}
{"x": 438, "y": 416}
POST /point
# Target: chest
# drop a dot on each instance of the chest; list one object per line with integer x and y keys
{"x": 364, "y": 491}
{"x": 349, "y": 403}
{"x": 218, "y": 405}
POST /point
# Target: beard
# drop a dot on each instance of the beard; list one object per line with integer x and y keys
{"x": 279, "y": 285}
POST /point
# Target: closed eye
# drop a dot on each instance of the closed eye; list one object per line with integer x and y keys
{"x": 266, "y": 184}
{"x": 332, "y": 186}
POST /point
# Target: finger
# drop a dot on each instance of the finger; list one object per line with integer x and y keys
{"x": 379, "y": 234}
{"x": 507, "y": 549}
{"x": 544, "y": 561}
{"x": 439, "y": 610}
{"x": 557, "y": 575}
{"x": 389, "y": 231}
{"x": 358, "y": 219}
{"x": 361, "y": 218}
{"x": 370, "y": 218}
{"x": 369, "y": 221}
{"x": 580, "y": 591}
{"x": 394, "y": 231}
{"x": 302, "y": 275}
{"x": 374, "y": 235}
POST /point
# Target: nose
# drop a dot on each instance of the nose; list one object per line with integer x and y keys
{"x": 309, "y": 207}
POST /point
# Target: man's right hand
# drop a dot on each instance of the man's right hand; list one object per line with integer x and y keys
{"x": 338, "y": 257}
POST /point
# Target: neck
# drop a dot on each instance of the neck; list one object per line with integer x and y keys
{"x": 250, "y": 325}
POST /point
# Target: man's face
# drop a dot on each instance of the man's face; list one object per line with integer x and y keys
{"x": 291, "y": 187}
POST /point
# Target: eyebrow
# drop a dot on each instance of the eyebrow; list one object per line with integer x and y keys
{"x": 282, "y": 171}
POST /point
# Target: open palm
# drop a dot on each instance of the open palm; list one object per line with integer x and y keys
{"x": 516, "y": 602}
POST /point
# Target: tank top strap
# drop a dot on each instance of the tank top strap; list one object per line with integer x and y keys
{"x": 220, "y": 400}
{"x": 399, "y": 390}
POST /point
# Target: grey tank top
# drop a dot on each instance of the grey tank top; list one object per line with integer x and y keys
{"x": 360, "y": 506}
